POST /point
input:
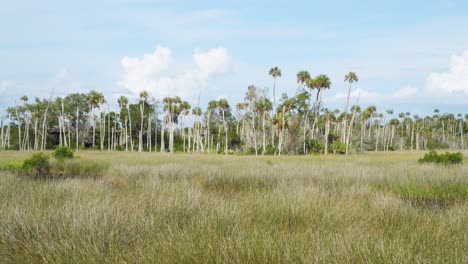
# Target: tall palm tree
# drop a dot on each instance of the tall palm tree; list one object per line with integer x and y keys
{"x": 184, "y": 111}
{"x": 275, "y": 72}
{"x": 197, "y": 112}
{"x": 209, "y": 110}
{"x": 303, "y": 77}
{"x": 320, "y": 83}
{"x": 281, "y": 119}
{"x": 263, "y": 106}
{"x": 350, "y": 78}
{"x": 223, "y": 105}
{"x": 94, "y": 98}
{"x": 123, "y": 102}
{"x": 143, "y": 100}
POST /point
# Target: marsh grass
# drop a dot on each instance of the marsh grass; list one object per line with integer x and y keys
{"x": 148, "y": 208}
{"x": 59, "y": 168}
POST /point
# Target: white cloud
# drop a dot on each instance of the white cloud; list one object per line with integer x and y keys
{"x": 364, "y": 96}
{"x": 453, "y": 82}
{"x": 449, "y": 87}
{"x": 213, "y": 62}
{"x": 6, "y": 84}
{"x": 151, "y": 72}
{"x": 407, "y": 92}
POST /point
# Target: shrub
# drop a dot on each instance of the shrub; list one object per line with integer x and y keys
{"x": 316, "y": 146}
{"x": 431, "y": 144}
{"x": 37, "y": 165}
{"x": 62, "y": 153}
{"x": 338, "y": 147}
{"x": 250, "y": 151}
{"x": 446, "y": 158}
{"x": 270, "y": 150}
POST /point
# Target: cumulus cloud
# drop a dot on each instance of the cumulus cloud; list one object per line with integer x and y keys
{"x": 151, "y": 72}
{"x": 453, "y": 82}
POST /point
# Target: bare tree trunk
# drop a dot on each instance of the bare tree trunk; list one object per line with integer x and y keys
{"x": 2, "y": 142}
{"x": 226, "y": 132}
{"x": 462, "y": 143}
{"x": 264, "y": 133}
{"x": 109, "y": 142}
{"x": 363, "y": 127}
{"x": 126, "y": 134}
{"x": 8, "y": 133}
{"x": 148, "y": 136}
{"x": 412, "y": 133}
{"x": 163, "y": 128}
{"x": 348, "y": 134}
{"x": 327, "y": 132}
{"x": 140, "y": 133}
{"x": 377, "y": 138}
{"x": 19, "y": 129}
{"x": 130, "y": 128}
{"x": 77, "y": 125}
{"x": 171, "y": 135}
{"x": 60, "y": 131}
{"x": 254, "y": 134}
{"x": 156, "y": 132}
{"x": 36, "y": 135}
{"x": 43, "y": 135}
{"x": 305, "y": 130}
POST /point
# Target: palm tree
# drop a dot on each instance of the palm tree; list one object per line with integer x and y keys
{"x": 123, "y": 102}
{"x": 94, "y": 98}
{"x": 350, "y": 78}
{"x": 184, "y": 111}
{"x": 224, "y": 106}
{"x": 320, "y": 83}
{"x": 275, "y": 72}
{"x": 197, "y": 112}
{"x": 281, "y": 119}
{"x": 303, "y": 77}
{"x": 143, "y": 100}
{"x": 211, "y": 107}
{"x": 250, "y": 97}
{"x": 263, "y": 106}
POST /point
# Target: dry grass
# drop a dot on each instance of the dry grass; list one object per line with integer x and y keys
{"x": 202, "y": 209}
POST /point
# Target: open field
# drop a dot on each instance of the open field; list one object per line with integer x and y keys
{"x": 148, "y": 207}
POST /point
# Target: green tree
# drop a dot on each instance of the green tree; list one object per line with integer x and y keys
{"x": 275, "y": 72}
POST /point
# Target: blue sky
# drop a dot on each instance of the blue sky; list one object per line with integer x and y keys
{"x": 409, "y": 55}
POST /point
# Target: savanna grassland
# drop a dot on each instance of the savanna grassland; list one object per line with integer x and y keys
{"x": 156, "y": 208}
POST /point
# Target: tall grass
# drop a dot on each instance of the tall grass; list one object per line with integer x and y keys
{"x": 151, "y": 208}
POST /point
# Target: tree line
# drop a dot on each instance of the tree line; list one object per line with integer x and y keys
{"x": 297, "y": 124}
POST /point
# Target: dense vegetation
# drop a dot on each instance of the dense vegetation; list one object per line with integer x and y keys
{"x": 295, "y": 124}
{"x": 153, "y": 208}
{"x": 445, "y": 158}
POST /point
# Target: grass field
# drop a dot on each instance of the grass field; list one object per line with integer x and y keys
{"x": 156, "y": 208}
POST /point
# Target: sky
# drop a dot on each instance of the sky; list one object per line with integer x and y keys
{"x": 410, "y": 56}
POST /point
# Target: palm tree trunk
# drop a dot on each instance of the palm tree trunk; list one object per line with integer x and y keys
{"x": 156, "y": 132}
{"x": 171, "y": 136}
{"x": 19, "y": 129}
{"x": 140, "y": 133}
{"x": 163, "y": 128}
{"x": 226, "y": 132}
{"x": 264, "y": 133}
{"x": 327, "y": 132}
{"x": 148, "y": 134}
{"x": 2, "y": 142}
{"x": 348, "y": 134}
